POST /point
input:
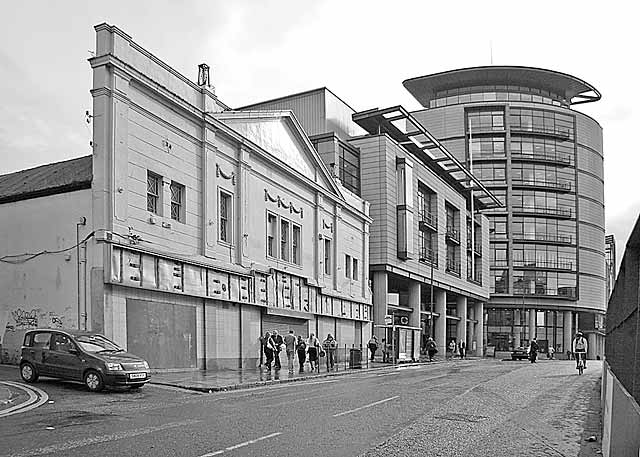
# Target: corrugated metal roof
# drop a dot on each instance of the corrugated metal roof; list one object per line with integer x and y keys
{"x": 53, "y": 178}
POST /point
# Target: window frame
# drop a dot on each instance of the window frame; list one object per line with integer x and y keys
{"x": 181, "y": 205}
{"x": 224, "y": 194}
{"x": 327, "y": 256}
{"x": 158, "y": 195}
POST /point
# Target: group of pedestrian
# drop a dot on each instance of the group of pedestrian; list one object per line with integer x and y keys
{"x": 305, "y": 349}
{"x": 454, "y": 348}
{"x": 373, "y": 346}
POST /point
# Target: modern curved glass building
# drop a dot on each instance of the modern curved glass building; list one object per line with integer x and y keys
{"x": 517, "y": 131}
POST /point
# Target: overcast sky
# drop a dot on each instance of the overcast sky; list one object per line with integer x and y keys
{"x": 361, "y": 50}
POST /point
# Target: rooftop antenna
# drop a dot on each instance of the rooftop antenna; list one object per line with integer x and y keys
{"x": 491, "y": 51}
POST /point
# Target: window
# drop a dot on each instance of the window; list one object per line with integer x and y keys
{"x": 154, "y": 188}
{"x": 272, "y": 233}
{"x": 224, "y": 213}
{"x": 177, "y": 202}
{"x": 327, "y": 256}
{"x": 347, "y": 265}
{"x": 295, "y": 244}
{"x": 349, "y": 168}
{"x": 355, "y": 269}
{"x": 284, "y": 240}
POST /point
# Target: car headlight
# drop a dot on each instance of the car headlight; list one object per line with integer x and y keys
{"x": 146, "y": 365}
{"x": 114, "y": 366}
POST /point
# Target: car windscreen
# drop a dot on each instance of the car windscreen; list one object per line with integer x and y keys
{"x": 97, "y": 343}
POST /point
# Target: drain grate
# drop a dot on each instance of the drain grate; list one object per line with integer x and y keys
{"x": 461, "y": 417}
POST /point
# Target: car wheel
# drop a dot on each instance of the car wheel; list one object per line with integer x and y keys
{"x": 28, "y": 372}
{"x": 93, "y": 381}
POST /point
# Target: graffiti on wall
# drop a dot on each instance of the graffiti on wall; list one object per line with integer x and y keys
{"x": 15, "y": 322}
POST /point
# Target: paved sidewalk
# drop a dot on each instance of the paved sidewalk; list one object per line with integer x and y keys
{"x": 221, "y": 380}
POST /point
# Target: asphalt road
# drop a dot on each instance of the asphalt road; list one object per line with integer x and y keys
{"x": 460, "y": 408}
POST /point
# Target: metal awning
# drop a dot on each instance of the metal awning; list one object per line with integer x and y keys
{"x": 400, "y": 125}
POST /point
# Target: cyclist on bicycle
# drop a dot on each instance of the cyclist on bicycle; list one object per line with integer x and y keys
{"x": 580, "y": 347}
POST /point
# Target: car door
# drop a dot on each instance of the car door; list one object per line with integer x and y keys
{"x": 39, "y": 352}
{"x": 64, "y": 357}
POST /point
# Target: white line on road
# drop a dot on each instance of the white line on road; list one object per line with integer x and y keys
{"x": 365, "y": 406}
{"x": 236, "y": 446}
{"x": 61, "y": 447}
{"x": 30, "y": 404}
{"x": 387, "y": 374}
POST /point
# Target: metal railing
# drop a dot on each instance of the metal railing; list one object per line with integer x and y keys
{"x": 476, "y": 277}
{"x": 453, "y": 234}
{"x": 429, "y": 256}
{"x": 560, "y": 132}
{"x": 561, "y": 212}
{"x": 557, "y": 264}
{"x": 427, "y": 220}
{"x": 564, "y": 239}
{"x": 558, "y": 157}
{"x": 453, "y": 267}
{"x": 567, "y": 292}
{"x": 547, "y": 184}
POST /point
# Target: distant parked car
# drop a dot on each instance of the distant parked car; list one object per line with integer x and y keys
{"x": 80, "y": 356}
{"x": 519, "y": 353}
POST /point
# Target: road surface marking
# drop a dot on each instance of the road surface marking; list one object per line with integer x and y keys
{"x": 273, "y": 405}
{"x": 365, "y": 406}
{"x": 387, "y": 374}
{"x": 30, "y": 404}
{"x": 73, "y": 444}
{"x": 236, "y": 446}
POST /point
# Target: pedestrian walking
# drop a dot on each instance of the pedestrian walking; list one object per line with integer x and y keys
{"x": 533, "y": 350}
{"x": 330, "y": 345}
{"x": 451, "y": 349}
{"x": 290, "y": 349}
{"x": 551, "y": 352}
{"x": 268, "y": 348}
{"x": 385, "y": 351}
{"x": 462, "y": 349}
{"x": 278, "y": 343}
{"x": 431, "y": 349}
{"x": 312, "y": 349}
{"x": 373, "y": 346}
{"x": 301, "y": 349}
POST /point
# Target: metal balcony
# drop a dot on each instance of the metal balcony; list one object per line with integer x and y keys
{"x": 557, "y": 264}
{"x": 564, "y": 186}
{"x": 564, "y": 213}
{"x": 558, "y": 158}
{"x": 429, "y": 256}
{"x": 543, "y": 238}
{"x": 453, "y": 235}
{"x": 453, "y": 267}
{"x": 427, "y": 221}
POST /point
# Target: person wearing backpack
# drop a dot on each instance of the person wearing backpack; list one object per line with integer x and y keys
{"x": 580, "y": 347}
{"x": 373, "y": 346}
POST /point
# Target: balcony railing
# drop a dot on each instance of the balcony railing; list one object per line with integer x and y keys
{"x": 559, "y": 212}
{"x": 563, "y": 133}
{"x": 453, "y": 267}
{"x": 547, "y": 184}
{"x": 566, "y": 292}
{"x": 558, "y": 157}
{"x": 556, "y": 264}
{"x": 478, "y": 245}
{"x": 427, "y": 220}
{"x": 476, "y": 277}
{"x": 429, "y": 256}
{"x": 545, "y": 237}
{"x": 453, "y": 234}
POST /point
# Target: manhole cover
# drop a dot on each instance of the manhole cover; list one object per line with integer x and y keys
{"x": 461, "y": 417}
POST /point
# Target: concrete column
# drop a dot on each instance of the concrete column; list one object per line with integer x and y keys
{"x": 461, "y": 309}
{"x": 380, "y": 290}
{"x": 532, "y": 323}
{"x": 479, "y": 312}
{"x": 440, "y": 327}
{"x": 592, "y": 350}
{"x": 567, "y": 331}
{"x": 517, "y": 335}
{"x": 414, "y": 317}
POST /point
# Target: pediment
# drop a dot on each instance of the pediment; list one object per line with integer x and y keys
{"x": 279, "y": 134}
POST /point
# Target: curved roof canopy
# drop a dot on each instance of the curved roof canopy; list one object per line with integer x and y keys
{"x": 424, "y": 88}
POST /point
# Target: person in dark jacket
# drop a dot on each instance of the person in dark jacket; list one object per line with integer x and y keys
{"x": 301, "y": 349}
{"x": 268, "y": 347}
{"x": 278, "y": 342}
{"x": 431, "y": 349}
{"x": 533, "y": 350}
